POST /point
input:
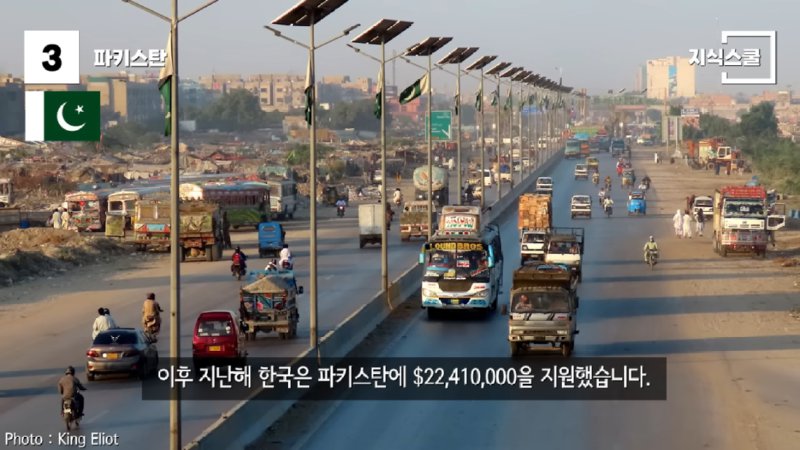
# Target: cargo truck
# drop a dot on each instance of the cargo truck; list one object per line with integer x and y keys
{"x": 742, "y": 220}
{"x": 371, "y": 220}
{"x": 200, "y": 234}
{"x": 440, "y": 183}
{"x": 534, "y": 223}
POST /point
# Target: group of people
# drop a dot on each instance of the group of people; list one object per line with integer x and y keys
{"x": 682, "y": 223}
{"x": 60, "y": 219}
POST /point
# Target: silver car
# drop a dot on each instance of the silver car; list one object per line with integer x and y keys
{"x": 121, "y": 350}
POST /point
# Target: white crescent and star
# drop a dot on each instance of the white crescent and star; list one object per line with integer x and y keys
{"x": 66, "y": 125}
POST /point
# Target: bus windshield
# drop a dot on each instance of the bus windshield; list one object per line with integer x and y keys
{"x": 457, "y": 264}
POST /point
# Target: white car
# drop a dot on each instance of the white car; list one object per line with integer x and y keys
{"x": 580, "y": 206}
{"x": 544, "y": 185}
{"x": 581, "y": 172}
{"x": 487, "y": 178}
{"x": 704, "y": 203}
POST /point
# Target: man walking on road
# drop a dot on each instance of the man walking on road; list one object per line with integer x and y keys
{"x": 677, "y": 223}
{"x": 56, "y": 220}
{"x": 687, "y": 224}
{"x": 700, "y": 222}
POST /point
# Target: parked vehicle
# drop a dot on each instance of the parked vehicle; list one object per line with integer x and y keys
{"x": 121, "y": 350}
{"x": 271, "y": 237}
{"x": 218, "y": 339}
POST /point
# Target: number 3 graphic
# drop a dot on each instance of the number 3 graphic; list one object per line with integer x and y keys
{"x": 54, "y": 62}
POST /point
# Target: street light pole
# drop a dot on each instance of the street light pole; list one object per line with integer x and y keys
{"x": 458, "y": 137}
{"x": 483, "y": 146}
{"x": 175, "y": 437}
{"x": 497, "y": 143}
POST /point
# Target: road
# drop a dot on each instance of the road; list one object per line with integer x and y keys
{"x": 733, "y": 359}
{"x": 55, "y": 326}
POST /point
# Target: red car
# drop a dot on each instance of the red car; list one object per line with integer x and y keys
{"x": 218, "y": 339}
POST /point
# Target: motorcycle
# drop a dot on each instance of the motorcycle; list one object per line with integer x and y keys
{"x": 340, "y": 211}
{"x": 238, "y": 271}
{"x": 608, "y": 210}
{"x": 70, "y": 414}
{"x": 151, "y": 326}
{"x": 652, "y": 257}
{"x": 595, "y": 179}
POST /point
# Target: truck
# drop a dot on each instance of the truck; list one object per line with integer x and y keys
{"x": 371, "y": 220}
{"x": 6, "y": 193}
{"x": 534, "y": 222}
{"x": 543, "y": 308}
{"x": 580, "y": 206}
{"x": 414, "y": 220}
{"x": 462, "y": 266}
{"x": 572, "y": 149}
{"x": 460, "y": 218}
{"x": 565, "y": 246}
{"x": 200, "y": 230}
{"x": 742, "y": 222}
{"x": 440, "y": 183}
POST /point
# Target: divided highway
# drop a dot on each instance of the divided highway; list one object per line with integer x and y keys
{"x": 53, "y": 333}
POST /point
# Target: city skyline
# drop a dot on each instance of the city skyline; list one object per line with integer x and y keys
{"x": 588, "y": 36}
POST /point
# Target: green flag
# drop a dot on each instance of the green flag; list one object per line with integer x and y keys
{"x": 496, "y": 96}
{"x": 62, "y": 116}
{"x": 509, "y": 100}
{"x": 378, "y": 110}
{"x": 309, "y": 92}
{"x": 415, "y": 90}
{"x": 479, "y": 101}
{"x": 165, "y": 87}
{"x": 456, "y": 100}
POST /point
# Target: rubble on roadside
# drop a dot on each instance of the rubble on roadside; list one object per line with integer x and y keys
{"x": 28, "y": 253}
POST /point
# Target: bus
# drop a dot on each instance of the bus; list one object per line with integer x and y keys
{"x": 6, "y": 198}
{"x": 245, "y": 203}
{"x": 572, "y": 149}
{"x": 123, "y": 203}
{"x": 283, "y": 198}
{"x": 87, "y": 210}
{"x": 463, "y": 269}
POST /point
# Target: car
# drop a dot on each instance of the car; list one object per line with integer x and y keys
{"x": 544, "y": 185}
{"x": 581, "y": 172}
{"x": 121, "y": 350}
{"x": 487, "y": 178}
{"x": 618, "y": 147}
{"x": 218, "y": 337}
{"x": 704, "y": 203}
{"x": 581, "y": 206}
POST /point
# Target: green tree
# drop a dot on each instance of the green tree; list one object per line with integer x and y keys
{"x": 238, "y": 110}
{"x": 760, "y": 121}
{"x": 129, "y": 134}
{"x": 299, "y": 154}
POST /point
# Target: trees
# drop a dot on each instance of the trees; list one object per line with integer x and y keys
{"x": 237, "y": 110}
{"x": 760, "y": 121}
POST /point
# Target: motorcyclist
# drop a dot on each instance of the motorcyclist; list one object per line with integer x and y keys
{"x": 650, "y": 245}
{"x": 151, "y": 314}
{"x": 397, "y": 197}
{"x": 595, "y": 178}
{"x": 286, "y": 257}
{"x": 469, "y": 193}
{"x": 239, "y": 258}
{"x": 69, "y": 387}
{"x": 602, "y": 195}
{"x": 340, "y": 205}
{"x": 646, "y": 181}
{"x": 608, "y": 203}
{"x": 608, "y": 182}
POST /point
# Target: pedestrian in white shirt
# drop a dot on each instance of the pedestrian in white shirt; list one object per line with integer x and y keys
{"x": 687, "y": 225}
{"x": 103, "y": 322}
{"x": 56, "y": 219}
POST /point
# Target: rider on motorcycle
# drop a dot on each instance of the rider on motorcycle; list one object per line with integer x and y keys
{"x": 69, "y": 387}
{"x": 602, "y": 195}
{"x": 608, "y": 182}
{"x": 151, "y": 314}
{"x": 286, "y": 257}
{"x": 650, "y": 245}
{"x": 607, "y": 203}
{"x": 646, "y": 181}
{"x": 595, "y": 178}
{"x": 397, "y": 197}
{"x": 240, "y": 259}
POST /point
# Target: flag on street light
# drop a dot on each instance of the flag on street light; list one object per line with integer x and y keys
{"x": 479, "y": 101}
{"x": 415, "y": 90}
{"x": 457, "y": 100}
{"x": 378, "y": 110}
{"x": 509, "y": 100}
{"x": 496, "y": 96}
{"x": 165, "y": 87}
{"x": 309, "y": 91}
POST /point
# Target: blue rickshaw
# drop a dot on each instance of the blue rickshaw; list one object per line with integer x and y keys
{"x": 271, "y": 237}
{"x": 637, "y": 203}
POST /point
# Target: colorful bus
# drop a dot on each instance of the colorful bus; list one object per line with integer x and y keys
{"x": 87, "y": 210}
{"x": 123, "y": 203}
{"x": 245, "y": 203}
{"x": 282, "y": 198}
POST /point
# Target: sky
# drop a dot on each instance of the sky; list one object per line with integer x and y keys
{"x": 598, "y": 45}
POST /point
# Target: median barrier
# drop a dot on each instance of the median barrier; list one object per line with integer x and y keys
{"x": 247, "y": 421}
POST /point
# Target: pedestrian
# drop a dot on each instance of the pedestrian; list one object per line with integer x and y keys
{"x": 102, "y": 323}
{"x": 677, "y": 223}
{"x": 655, "y": 157}
{"x": 56, "y": 220}
{"x": 226, "y": 230}
{"x": 700, "y": 221}
{"x": 687, "y": 224}
{"x": 65, "y": 225}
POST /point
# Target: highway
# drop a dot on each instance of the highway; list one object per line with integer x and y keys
{"x": 725, "y": 391}
{"x": 55, "y": 329}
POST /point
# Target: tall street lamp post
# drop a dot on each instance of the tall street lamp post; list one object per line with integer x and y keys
{"x": 481, "y": 65}
{"x": 495, "y": 72}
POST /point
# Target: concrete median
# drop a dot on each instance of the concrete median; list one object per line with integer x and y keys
{"x": 244, "y": 423}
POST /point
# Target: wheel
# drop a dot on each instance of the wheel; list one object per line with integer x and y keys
{"x": 282, "y": 336}
{"x": 89, "y": 376}
{"x": 68, "y": 420}
{"x": 361, "y": 243}
{"x": 515, "y": 348}
{"x": 566, "y": 349}
{"x": 723, "y": 251}
{"x": 209, "y": 253}
{"x": 433, "y": 313}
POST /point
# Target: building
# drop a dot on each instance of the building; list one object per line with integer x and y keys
{"x": 670, "y": 78}
{"x": 640, "y": 79}
{"x": 12, "y": 106}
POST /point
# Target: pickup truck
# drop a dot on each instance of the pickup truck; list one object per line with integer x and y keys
{"x": 544, "y": 185}
{"x": 565, "y": 246}
{"x": 581, "y": 172}
{"x": 581, "y": 206}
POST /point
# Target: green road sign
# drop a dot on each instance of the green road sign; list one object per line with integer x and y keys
{"x": 440, "y": 125}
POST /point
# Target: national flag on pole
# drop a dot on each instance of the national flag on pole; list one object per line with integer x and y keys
{"x": 378, "y": 110}
{"x": 509, "y": 100}
{"x": 457, "y": 100}
{"x": 62, "y": 116}
{"x": 165, "y": 87}
{"x": 496, "y": 96}
{"x": 309, "y": 91}
{"x": 415, "y": 90}
{"x": 479, "y": 101}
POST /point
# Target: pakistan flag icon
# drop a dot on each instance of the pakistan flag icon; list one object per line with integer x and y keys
{"x": 62, "y": 116}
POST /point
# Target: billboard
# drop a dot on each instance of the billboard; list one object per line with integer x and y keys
{"x": 672, "y": 77}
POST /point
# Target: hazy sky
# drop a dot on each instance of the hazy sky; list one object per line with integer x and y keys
{"x": 598, "y": 44}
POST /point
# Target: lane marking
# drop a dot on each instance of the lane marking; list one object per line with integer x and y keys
{"x": 97, "y": 416}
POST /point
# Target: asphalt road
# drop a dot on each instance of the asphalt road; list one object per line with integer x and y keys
{"x": 42, "y": 339}
{"x": 626, "y": 310}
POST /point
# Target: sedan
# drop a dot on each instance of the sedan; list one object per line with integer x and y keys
{"x": 121, "y": 350}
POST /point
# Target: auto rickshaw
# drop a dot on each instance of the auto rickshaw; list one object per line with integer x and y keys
{"x": 628, "y": 177}
{"x": 637, "y": 203}
{"x": 271, "y": 237}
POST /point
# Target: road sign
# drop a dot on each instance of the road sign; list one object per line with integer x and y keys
{"x": 690, "y": 112}
{"x": 440, "y": 125}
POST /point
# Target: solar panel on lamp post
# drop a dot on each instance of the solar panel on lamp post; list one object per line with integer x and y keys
{"x": 496, "y": 71}
{"x": 379, "y": 34}
{"x": 307, "y": 13}
{"x": 458, "y": 56}
{"x": 427, "y": 48}
{"x": 481, "y": 65}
